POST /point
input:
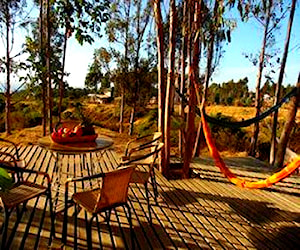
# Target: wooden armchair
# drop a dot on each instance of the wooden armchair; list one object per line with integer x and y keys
{"x": 112, "y": 194}
{"x": 21, "y": 192}
{"x": 145, "y": 159}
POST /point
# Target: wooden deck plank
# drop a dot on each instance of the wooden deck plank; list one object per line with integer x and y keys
{"x": 205, "y": 212}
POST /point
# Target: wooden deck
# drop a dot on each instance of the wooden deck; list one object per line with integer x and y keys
{"x": 205, "y": 212}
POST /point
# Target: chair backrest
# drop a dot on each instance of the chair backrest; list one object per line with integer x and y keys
{"x": 114, "y": 188}
{"x": 16, "y": 153}
{"x": 147, "y": 158}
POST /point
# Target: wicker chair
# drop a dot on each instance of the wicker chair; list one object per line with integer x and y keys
{"x": 21, "y": 192}
{"x": 112, "y": 194}
{"x": 145, "y": 159}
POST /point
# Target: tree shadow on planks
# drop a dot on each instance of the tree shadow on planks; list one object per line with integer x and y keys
{"x": 146, "y": 236}
{"x": 255, "y": 212}
{"x": 285, "y": 237}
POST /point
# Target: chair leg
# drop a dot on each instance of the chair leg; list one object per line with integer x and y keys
{"x": 89, "y": 233}
{"x": 5, "y": 228}
{"x": 148, "y": 202}
{"x": 154, "y": 185}
{"x": 131, "y": 226}
{"x": 65, "y": 222}
{"x": 107, "y": 215}
{"x": 52, "y": 215}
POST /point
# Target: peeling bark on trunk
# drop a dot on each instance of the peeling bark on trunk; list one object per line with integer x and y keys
{"x": 210, "y": 55}
{"x": 182, "y": 79}
{"x": 290, "y": 122}
{"x": 131, "y": 121}
{"x": 170, "y": 82}
{"x": 42, "y": 59}
{"x": 61, "y": 82}
{"x": 48, "y": 51}
{"x": 193, "y": 67}
{"x": 8, "y": 67}
{"x": 121, "y": 111}
{"x": 280, "y": 79}
{"x": 161, "y": 76}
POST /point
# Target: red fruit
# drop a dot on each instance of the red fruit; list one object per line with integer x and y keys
{"x": 66, "y": 130}
{"x": 78, "y": 131}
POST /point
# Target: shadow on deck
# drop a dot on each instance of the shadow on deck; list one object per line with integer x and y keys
{"x": 203, "y": 212}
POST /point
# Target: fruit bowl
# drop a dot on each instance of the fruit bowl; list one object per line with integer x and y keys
{"x": 80, "y": 133}
{"x": 72, "y": 139}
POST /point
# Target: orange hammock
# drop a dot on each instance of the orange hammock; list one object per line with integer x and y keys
{"x": 290, "y": 168}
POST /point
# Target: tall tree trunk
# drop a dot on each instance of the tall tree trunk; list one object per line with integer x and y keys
{"x": 121, "y": 111}
{"x": 61, "y": 82}
{"x": 280, "y": 79}
{"x": 258, "y": 81}
{"x": 122, "y": 103}
{"x": 48, "y": 52}
{"x": 42, "y": 59}
{"x": 210, "y": 55}
{"x": 193, "y": 67}
{"x": 182, "y": 78}
{"x": 131, "y": 120}
{"x": 8, "y": 67}
{"x": 161, "y": 74}
{"x": 290, "y": 122}
{"x": 170, "y": 82}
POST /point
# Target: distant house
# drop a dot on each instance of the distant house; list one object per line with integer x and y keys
{"x": 105, "y": 97}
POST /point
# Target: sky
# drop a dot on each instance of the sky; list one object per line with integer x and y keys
{"x": 246, "y": 38}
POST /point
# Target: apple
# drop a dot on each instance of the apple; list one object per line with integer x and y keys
{"x": 66, "y": 130}
{"x": 60, "y": 131}
{"x": 78, "y": 130}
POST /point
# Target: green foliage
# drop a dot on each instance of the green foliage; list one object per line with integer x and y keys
{"x": 5, "y": 180}
{"x": 233, "y": 139}
{"x": 140, "y": 93}
{"x": 229, "y": 93}
{"x": 93, "y": 76}
{"x": 83, "y": 17}
{"x": 149, "y": 124}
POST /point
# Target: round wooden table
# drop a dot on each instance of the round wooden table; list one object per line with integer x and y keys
{"x": 99, "y": 144}
{"x": 85, "y": 150}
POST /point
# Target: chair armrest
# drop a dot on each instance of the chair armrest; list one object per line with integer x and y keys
{"x": 13, "y": 144}
{"x": 135, "y": 140}
{"x": 140, "y": 148}
{"x": 84, "y": 178}
{"x": 128, "y": 162}
{"x": 17, "y": 169}
{"x": 9, "y": 155}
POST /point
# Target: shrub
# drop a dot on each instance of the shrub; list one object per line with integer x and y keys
{"x": 226, "y": 138}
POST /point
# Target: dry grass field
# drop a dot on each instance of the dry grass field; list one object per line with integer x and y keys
{"x": 106, "y": 113}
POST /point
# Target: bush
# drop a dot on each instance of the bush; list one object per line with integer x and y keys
{"x": 149, "y": 124}
{"x": 226, "y": 138}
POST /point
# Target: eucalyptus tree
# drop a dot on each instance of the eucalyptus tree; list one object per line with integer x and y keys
{"x": 84, "y": 18}
{"x": 281, "y": 153}
{"x": 95, "y": 75}
{"x": 268, "y": 14}
{"x": 58, "y": 20}
{"x": 12, "y": 15}
{"x": 127, "y": 30}
{"x": 214, "y": 31}
{"x": 43, "y": 68}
